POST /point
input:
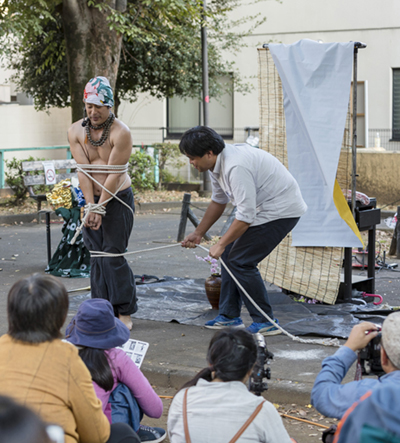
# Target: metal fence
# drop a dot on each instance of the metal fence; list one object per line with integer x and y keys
{"x": 148, "y": 135}
{"x": 382, "y": 138}
{"x": 42, "y": 148}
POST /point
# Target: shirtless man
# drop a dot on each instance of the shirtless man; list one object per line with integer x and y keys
{"x": 101, "y": 139}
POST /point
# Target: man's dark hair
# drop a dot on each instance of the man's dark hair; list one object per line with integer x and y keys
{"x": 197, "y": 141}
{"x": 232, "y": 353}
{"x": 18, "y": 424}
{"x": 37, "y": 307}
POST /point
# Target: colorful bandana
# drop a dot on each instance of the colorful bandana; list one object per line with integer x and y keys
{"x": 98, "y": 92}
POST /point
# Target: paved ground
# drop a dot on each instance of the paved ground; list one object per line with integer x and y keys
{"x": 176, "y": 352}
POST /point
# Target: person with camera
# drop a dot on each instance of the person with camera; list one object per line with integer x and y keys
{"x": 329, "y": 396}
{"x": 216, "y": 406}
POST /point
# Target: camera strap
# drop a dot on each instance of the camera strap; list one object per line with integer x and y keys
{"x": 235, "y": 437}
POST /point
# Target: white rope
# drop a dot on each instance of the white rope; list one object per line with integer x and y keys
{"x": 98, "y": 254}
{"x": 103, "y": 169}
{"x": 324, "y": 342}
{"x": 99, "y": 208}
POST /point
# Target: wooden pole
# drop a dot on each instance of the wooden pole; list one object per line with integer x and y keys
{"x": 184, "y": 217}
{"x": 192, "y": 217}
{"x": 305, "y": 421}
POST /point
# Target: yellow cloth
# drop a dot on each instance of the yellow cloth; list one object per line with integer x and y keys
{"x": 52, "y": 379}
{"x": 344, "y": 211}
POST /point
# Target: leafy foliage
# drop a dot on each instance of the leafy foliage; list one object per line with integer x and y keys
{"x": 15, "y": 180}
{"x": 161, "y": 51}
{"x": 141, "y": 171}
{"x": 168, "y": 153}
{"x": 168, "y": 177}
{"x": 41, "y": 64}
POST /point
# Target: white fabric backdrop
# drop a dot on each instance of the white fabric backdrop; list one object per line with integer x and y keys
{"x": 316, "y": 80}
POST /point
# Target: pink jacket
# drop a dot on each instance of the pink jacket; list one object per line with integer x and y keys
{"x": 125, "y": 371}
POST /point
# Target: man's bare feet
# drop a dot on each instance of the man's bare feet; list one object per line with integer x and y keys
{"x": 126, "y": 320}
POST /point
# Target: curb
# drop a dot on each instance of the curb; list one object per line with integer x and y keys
{"x": 140, "y": 207}
{"x": 279, "y": 391}
{"x": 159, "y": 206}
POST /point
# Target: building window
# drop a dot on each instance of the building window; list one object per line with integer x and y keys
{"x": 184, "y": 113}
{"x": 396, "y": 105}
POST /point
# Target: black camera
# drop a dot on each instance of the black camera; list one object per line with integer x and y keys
{"x": 261, "y": 370}
{"x": 370, "y": 357}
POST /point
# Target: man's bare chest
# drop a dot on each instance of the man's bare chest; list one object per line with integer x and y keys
{"x": 96, "y": 154}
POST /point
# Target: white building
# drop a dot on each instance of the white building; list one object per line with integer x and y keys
{"x": 371, "y": 22}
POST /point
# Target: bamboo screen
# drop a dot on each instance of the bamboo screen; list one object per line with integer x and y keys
{"x": 312, "y": 272}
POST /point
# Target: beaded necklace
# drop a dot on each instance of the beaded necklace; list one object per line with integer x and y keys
{"x": 106, "y": 125}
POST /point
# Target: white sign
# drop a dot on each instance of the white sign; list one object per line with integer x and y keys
{"x": 136, "y": 350}
{"x": 49, "y": 173}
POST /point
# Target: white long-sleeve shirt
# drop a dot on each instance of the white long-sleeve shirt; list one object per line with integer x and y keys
{"x": 257, "y": 183}
{"x": 217, "y": 410}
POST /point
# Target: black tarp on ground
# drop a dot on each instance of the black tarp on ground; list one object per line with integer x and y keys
{"x": 185, "y": 301}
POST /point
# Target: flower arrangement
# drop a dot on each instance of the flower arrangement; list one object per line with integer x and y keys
{"x": 213, "y": 262}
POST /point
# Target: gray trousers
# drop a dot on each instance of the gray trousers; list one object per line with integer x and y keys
{"x": 242, "y": 257}
{"x": 111, "y": 277}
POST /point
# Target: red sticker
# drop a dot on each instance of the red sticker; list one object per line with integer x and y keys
{"x": 50, "y": 175}
{"x": 207, "y": 99}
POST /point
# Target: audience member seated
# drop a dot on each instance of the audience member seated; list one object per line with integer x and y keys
{"x": 216, "y": 405}
{"x": 18, "y": 424}
{"x": 329, "y": 396}
{"x": 42, "y": 372}
{"x": 375, "y": 418}
{"x": 120, "y": 385}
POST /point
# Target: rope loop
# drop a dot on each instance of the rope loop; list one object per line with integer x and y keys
{"x": 100, "y": 208}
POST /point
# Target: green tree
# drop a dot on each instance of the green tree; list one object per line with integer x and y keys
{"x": 141, "y": 171}
{"x": 15, "y": 180}
{"x": 55, "y": 46}
{"x": 168, "y": 153}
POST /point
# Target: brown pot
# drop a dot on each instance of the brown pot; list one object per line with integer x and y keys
{"x": 213, "y": 289}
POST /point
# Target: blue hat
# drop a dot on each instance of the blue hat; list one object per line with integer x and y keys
{"x": 95, "y": 326}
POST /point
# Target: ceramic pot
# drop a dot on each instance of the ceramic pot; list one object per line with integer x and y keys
{"x": 213, "y": 289}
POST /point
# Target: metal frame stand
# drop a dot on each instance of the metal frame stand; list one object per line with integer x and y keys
{"x": 366, "y": 220}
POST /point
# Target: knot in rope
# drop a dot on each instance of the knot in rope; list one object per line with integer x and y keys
{"x": 94, "y": 208}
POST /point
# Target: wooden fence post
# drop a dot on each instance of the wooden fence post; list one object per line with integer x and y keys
{"x": 187, "y": 213}
{"x": 184, "y": 216}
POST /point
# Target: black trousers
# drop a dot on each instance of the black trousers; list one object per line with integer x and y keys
{"x": 122, "y": 433}
{"x": 111, "y": 277}
{"x": 242, "y": 258}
